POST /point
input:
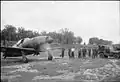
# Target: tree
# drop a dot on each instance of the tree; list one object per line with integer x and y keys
{"x": 35, "y": 33}
{"x": 64, "y": 36}
{"x": 43, "y": 33}
{"x": 67, "y": 36}
{"x": 21, "y": 33}
{"x": 9, "y": 33}
{"x": 29, "y": 33}
{"x": 78, "y": 40}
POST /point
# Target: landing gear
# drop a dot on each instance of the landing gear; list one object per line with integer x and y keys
{"x": 36, "y": 54}
{"x": 4, "y": 55}
{"x": 50, "y": 57}
{"x": 24, "y": 58}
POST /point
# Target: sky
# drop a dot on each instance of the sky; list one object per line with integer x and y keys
{"x": 85, "y": 18}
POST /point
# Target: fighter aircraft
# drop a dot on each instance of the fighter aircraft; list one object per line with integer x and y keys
{"x": 28, "y": 46}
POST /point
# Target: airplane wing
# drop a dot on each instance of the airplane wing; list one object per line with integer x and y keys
{"x": 16, "y": 48}
{"x": 17, "y": 51}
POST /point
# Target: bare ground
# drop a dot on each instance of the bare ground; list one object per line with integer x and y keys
{"x": 39, "y": 69}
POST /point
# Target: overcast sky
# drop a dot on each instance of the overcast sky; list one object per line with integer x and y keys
{"x": 85, "y": 18}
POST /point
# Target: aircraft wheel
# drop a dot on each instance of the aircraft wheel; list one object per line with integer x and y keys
{"x": 50, "y": 57}
{"x": 25, "y": 60}
{"x": 116, "y": 56}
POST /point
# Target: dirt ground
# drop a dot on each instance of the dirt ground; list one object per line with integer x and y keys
{"x": 39, "y": 69}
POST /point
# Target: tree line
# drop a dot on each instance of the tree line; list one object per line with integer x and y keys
{"x": 64, "y": 36}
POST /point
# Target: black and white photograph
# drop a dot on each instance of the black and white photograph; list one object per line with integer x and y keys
{"x": 60, "y": 41}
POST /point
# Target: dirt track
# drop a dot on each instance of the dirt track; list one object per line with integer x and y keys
{"x": 39, "y": 69}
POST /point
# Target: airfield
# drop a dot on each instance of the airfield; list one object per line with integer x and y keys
{"x": 39, "y": 69}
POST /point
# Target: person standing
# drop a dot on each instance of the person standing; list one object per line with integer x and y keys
{"x": 96, "y": 52}
{"x": 93, "y": 55}
{"x": 84, "y": 52}
{"x": 63, "y": 50}
{"x": 72, "y": 52}
{"x": 89, "y": 52}
{"x": 80, "y": 53}
{"x": 69, "y": 52}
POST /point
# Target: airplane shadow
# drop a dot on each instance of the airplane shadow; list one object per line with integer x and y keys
{"x": 16, "y": 61}
{"x": 37, "y": 60}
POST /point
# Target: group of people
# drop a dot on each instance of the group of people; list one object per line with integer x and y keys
{"x": 90, "y": 52}
{"x": 82, "y": 52}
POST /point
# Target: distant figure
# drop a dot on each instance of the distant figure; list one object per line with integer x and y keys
{"x": 84, "y": 52}
{"x": 93, "y": 55}
{"x": 96, "y": 52}
{"x": 63, "y": 50}
{"x": 80, "y": 53}
{"x": 89, "y": 52}
{"x": 84, "y": 43}
{"x": 69, "y": 52}
{"x": 72, "y": 52}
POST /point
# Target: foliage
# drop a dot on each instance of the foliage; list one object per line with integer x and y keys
{"x": 64, "y": 36}
{"x": 8, "y": 33}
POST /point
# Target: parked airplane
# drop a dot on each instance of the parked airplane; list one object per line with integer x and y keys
{"x": 28, "y": 46}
